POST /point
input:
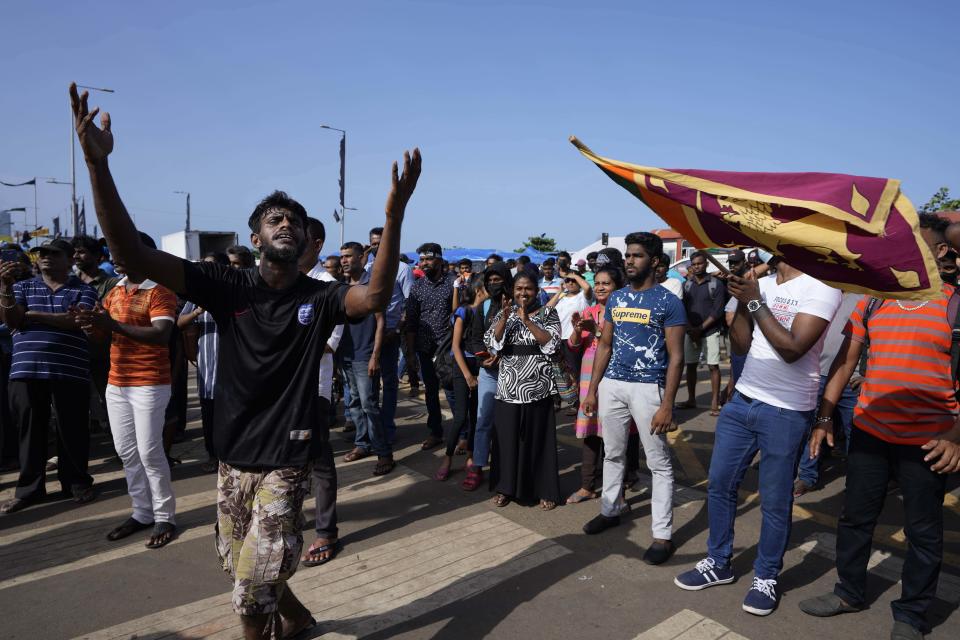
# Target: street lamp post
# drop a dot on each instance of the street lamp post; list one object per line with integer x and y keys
{"x": 186, "y": 193}
{"x": 343, "y": 177}
{"x": 73, "y": 163}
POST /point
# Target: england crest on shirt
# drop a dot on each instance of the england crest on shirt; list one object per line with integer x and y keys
{"x": 305, "y": 313}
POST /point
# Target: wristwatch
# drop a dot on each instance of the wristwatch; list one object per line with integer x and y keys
{"x": 754, "y": 305}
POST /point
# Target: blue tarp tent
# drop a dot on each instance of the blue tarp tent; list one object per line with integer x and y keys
{"x": 479, "y": 255}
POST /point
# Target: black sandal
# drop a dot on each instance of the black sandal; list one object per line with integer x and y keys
{"x": 384, "y": 466}
{"x": 160, "y": 529}
{"x": 312, "y": 559}
{"x": 129, "y": 527}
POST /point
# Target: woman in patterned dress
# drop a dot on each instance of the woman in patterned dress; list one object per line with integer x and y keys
{"x": 524, "y": 467}
{"x": 584, "y": 337}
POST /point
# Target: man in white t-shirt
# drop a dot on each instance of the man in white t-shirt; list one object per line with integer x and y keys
{"x": 327, "y": 543}
{"x": 780, "y": 323}
{"x": 672, "y": 285}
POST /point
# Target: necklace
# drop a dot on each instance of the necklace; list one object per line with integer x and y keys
{"x": 919, "y": 306}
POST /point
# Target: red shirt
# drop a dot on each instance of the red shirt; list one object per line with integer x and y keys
{"x": 907, "y": 395}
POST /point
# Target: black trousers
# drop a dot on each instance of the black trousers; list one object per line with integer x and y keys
{"x": 30, "y": 403}
{"x": 206, "y": 419}
{"x": 9, "y": 431}
{"x": 525, "y": 463}
{"x": 591, "y": 466}
{"x": 325, "y": 477}
{"x": 870, "y": 464}
{"x": 464, "y": 409}
{"x": 431, "y": 393}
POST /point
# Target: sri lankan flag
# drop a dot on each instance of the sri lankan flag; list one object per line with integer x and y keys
{"x": 854, "y": 233}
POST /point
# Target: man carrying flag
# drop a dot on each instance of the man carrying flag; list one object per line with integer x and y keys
{"x": 779, "y": 324}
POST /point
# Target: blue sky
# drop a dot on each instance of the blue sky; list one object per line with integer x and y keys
{"x": 225, "y": 99}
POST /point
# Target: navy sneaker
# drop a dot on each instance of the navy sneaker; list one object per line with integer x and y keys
{"x": 762, "y": 598}
{"x": 706, "y": 574}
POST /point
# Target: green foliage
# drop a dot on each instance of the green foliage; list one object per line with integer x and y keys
{"x": 941, "y": 201}
{"x": 540, "y": 243}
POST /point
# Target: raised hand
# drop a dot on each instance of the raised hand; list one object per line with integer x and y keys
{"x": 507, "y": 307}
{"x": 8, "y": 273}
{"x": 403, "y": 185}
{"x": 96, "y": 143}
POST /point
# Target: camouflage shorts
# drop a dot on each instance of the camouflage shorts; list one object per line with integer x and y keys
{"x": 260, "y": 532}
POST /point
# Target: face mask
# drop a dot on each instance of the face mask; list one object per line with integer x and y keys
{"x": 495, "y": 290}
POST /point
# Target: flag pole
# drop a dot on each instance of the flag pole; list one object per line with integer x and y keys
{"x": 719, "y": 265}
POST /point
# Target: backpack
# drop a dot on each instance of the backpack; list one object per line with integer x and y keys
{"x": 953, "y": 311}
{"x": 443, "y": 360}
{"x": 479, "y": 323}
{"x": 712, "y": 287}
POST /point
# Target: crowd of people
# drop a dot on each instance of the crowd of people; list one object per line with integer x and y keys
{"x": 278, "y": 343}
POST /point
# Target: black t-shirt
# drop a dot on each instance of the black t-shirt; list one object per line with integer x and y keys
{"x": 268, "y": 367}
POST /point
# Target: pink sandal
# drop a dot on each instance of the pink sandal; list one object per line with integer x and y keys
{"x": 473, "y": 480}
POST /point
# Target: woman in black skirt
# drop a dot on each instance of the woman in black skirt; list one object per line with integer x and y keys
{"x": 525, "y": 337}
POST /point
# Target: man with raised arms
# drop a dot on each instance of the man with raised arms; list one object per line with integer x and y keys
{"x": 273, "y": 323}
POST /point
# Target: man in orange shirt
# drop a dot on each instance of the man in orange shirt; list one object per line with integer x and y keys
{"x": 905, "y": 427}
{"x": 140, "y": 315}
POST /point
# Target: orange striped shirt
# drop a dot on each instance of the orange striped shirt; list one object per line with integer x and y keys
{"x": 132, "y": 363}
{"x": 907, "y": 395}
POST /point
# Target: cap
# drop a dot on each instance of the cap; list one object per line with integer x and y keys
{"x": 62, "y": 246}
{"x": 581, "y": 262}
{"x": 736, "y": 256}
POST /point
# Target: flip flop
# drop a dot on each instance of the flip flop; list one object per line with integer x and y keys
{"x": 84, "y": 495}
{"x": 333, "y": 547}
{"x": 384, "y": 467}
{"x": 158, "y": 530}
{"x": 129, "y": 527}
{"x": 576, "y": 497}
{"x": 432, "y": 442}
{"x": 356, "y": 454}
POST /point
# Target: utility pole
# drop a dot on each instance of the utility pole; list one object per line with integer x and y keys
{"x": 186, "y": 193}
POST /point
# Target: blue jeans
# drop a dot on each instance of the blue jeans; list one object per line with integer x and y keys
{"x": 486, "y": 389}
{"x": 743, "y": 428}
{"x": 364, "y": 407}
{"x": 842, "y": 417}
{"x": 390, "y": 377}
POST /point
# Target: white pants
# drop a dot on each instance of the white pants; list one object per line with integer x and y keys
{"x": 621, "y": 403}
{"x": 136, "y": 420}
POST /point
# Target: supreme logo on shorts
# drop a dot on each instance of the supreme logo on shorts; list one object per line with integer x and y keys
{"x": 301, "y": 434}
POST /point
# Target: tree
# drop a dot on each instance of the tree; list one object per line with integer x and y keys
{"x": 540, "y": 243}
{"x": 941, "y": 201}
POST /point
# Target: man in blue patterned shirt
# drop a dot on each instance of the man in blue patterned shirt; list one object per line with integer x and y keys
{"x": 51, "y": 361}
{"x": 636, "y": 372}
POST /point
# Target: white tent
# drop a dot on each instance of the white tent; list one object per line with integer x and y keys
{"x": 615, "y": 241}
